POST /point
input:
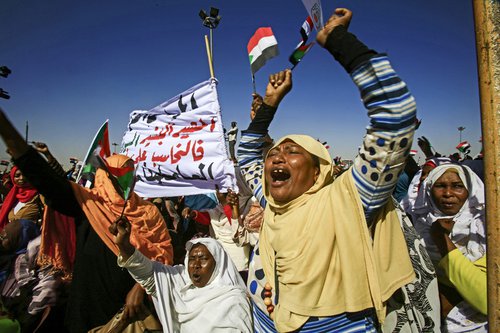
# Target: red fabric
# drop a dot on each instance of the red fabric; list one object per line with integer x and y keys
{"x": 24, "y": 193}
{"x": 431, "y": 164}
{"x": 228, "y": 210}
{"x": 58, "y": 242}
{"x": 202, "y": 217}
{"x": 259, "y": 34}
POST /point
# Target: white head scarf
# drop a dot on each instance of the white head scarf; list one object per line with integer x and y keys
{"x": 408, "y": 202}
{"x": 468, "y": 232}
{"x": 221, "y": 304}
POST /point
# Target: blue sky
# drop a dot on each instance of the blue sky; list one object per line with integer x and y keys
{"x": 75, "y": 64}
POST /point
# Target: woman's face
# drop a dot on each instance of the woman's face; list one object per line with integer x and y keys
{"x": 449, "y": 193}
{"x": 201, "y": 265}
{"x": 289, "y": 171}
{"x": 19, "y": 179}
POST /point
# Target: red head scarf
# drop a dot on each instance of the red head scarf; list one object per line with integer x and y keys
{"x": 18, "y": 193}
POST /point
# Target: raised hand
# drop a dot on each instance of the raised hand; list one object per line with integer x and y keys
{"x": 121, "y": 229}
{"x": 41, "y": 147}
{"x": 232, "y": 199}
{"x": 341, "y": 16}
{"x": 425, "y": 146}
{"x": 279, "y": 85}
{"x": 256, "y": 104}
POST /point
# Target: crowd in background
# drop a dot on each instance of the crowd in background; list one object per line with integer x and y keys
{"x": 306, "y": 245}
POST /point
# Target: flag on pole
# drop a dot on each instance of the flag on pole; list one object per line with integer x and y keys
{"x": 306, "y": 29}
{"x": 301, "y": 49}
{"x": 299, "y": 53}
{"x": 463, "y": 147}
{"x": 99, "y": 147}
{"x": 261, "y": 47}
{"x": 315, "y": 12}
{"x": 125, "y": 177}
{"x": 413, "y": 152}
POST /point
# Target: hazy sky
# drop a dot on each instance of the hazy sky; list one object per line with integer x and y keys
{"x": 77, "y": 63}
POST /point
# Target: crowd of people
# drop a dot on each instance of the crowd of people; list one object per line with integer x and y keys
{"x": 385, "y": 245}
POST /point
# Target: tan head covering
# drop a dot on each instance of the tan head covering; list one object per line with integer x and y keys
{"x": 319, "y": 247}
{"x": 103, "y": 205}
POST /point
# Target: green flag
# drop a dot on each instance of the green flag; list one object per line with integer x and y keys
{"x": 99, "y": 147}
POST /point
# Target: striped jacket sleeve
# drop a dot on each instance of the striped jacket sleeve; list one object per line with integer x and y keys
{"x": 389, "y": 136}
{"x": 250, "y": 158}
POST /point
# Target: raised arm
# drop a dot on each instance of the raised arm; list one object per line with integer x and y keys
{"x": 255, "y": 139}
{"x": 138, "y": 265}
{"x": 56, "y": 190}
{"x": 390, "y": 106}
{"x": 43, "y": 149}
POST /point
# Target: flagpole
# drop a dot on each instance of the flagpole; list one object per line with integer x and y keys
{"x": 253, "y": 84}
{"x": 124, "y": 206}
{"x": 486, "y": 16}
{"x": 209, "y": 55}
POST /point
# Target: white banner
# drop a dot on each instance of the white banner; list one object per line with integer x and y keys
{"x": 178, "y": 147}
{"x": 315, "y": 12}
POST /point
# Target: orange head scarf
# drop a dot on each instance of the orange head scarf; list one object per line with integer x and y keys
{"x": 103, "y": 205}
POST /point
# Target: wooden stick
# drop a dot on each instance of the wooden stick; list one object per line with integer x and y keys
{"x": 209, "y": 55}
{"x": 486, "y": 18}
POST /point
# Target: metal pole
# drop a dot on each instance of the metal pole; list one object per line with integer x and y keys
{"x": 26, "y": 131}
{"x": 487, "y": 28}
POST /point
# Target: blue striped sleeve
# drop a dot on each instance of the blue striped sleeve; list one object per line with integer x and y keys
{"x": 389, "y": 136}
{"x": 250, "y": 158}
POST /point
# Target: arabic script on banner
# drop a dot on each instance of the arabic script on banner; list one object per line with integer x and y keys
{"x": 178, "y": 147}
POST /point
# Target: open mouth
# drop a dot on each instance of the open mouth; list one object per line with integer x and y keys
{"x": 279, "y": 176}
{"x": 196, "y": 276}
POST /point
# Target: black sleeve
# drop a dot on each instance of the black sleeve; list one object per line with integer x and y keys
{"x": 57, "y": 167}
{"x": 411, "y": 167}
{"x": 56, "y": 190}
{"x": 263, "y": 118}
{"x": 347, "y": 49}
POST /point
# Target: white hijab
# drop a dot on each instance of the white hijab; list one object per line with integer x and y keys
{"x": 220, "y": 306}
{"x": 468, "y": 232}
{"x": 408, "y": 202}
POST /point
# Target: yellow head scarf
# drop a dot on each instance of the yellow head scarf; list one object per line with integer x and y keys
{"x": 103, "y": 205}
{"x": 321, "y": 254}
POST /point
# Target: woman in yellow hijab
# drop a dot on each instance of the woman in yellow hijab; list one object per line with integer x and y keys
{"x": 331, "y": 249}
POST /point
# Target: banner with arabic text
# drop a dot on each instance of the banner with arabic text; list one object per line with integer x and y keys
{"x": 178, "y": 146}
